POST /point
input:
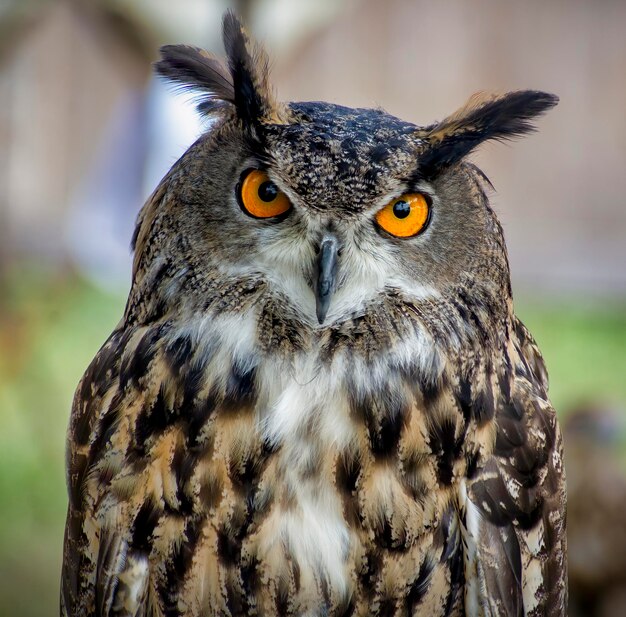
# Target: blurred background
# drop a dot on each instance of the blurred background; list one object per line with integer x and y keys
{"x": 86, "y": 132}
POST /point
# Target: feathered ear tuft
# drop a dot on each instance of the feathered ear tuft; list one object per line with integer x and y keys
{"x": 244, "y": 84}
{"x": 483, "y": 117}
{"x": 249, "y": 67}
{"x": 195, "y": 69}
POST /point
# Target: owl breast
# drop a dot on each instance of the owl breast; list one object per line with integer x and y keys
{"x": 323, "y": 463}
{"x": 281, "y": 480}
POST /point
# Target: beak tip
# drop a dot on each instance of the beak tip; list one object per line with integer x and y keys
{"x": 325, "y": 283}
{"x": 320, "y": 312}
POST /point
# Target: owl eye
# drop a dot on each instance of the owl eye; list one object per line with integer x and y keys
{"x": 405, "y": 216}
{"x": 260, "y": 197}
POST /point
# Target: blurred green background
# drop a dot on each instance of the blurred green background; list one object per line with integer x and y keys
{"x": 86, "y": 132}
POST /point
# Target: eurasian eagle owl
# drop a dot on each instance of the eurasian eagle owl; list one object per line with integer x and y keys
{"x": 319, "y": 400}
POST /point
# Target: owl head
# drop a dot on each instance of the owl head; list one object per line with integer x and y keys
{"x": 330, "y": 210}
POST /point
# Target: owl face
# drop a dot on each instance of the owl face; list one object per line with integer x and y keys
{"x": 332, "y": 211}
{"x": 332, "y": 208}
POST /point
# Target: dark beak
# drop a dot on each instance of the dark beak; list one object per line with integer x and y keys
{"x": 326, "y": 272}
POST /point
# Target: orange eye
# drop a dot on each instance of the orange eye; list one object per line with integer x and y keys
{"x": 406, "y": 216}
{"x": 260, "y": 197}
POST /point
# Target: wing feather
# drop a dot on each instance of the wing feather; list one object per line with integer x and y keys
{"x": 102, "y": 574}
{"x": 514, "y": 506}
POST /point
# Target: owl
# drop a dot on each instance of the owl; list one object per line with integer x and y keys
{"x": 319, "y": 400}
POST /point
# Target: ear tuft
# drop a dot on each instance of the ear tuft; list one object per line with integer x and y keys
{"x": 249, "y": 67}
{"x": 195, "y": 69}
{"x": 483, "y": 117}
{"x": 244, "y": 84}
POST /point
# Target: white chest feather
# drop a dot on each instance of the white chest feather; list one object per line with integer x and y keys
{"x": 307, "y": 415}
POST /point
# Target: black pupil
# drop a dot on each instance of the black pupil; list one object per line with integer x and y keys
{"x": 268, "y": 191}
{"x": 401, "y": 209}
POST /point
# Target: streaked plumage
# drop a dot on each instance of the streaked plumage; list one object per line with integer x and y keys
{"x": 231, "y": 455}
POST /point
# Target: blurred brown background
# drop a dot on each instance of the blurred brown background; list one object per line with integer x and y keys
{"x": 86, "y": 133}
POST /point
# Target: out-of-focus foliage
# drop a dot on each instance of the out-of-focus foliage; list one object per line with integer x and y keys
{"x": 584, "y": 346}
{"x": 49, "y": 330}
{"x": 595, "y": 460}
{"x": 51, "y": 327}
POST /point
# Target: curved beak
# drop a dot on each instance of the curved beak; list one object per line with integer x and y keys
{"x": 326, "y": 273}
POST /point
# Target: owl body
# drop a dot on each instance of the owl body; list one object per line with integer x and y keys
{"x": 306, "y": 410}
